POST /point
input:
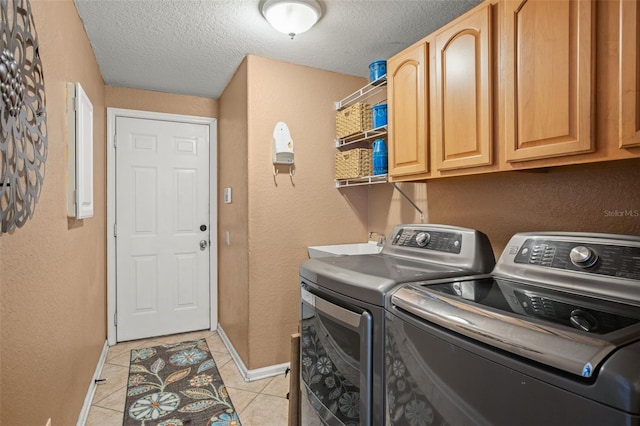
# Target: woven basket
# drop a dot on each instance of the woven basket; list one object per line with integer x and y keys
{"x": 353, "y": 119}
{"x": 353, "y": 164}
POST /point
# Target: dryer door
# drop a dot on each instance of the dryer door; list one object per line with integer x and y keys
{"x": 335, "y": 363}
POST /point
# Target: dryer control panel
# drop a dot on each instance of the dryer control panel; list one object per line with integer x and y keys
{"x": 450, "y": 242}
{"x": 446, "y": 246}
{"x": 600, "y": 265}
{"x": 596, "y": 258}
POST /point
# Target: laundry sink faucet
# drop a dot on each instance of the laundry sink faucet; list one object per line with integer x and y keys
{"x": 381, "y": 237}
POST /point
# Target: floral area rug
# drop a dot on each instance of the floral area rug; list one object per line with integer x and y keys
{"x": 177, "y": 385}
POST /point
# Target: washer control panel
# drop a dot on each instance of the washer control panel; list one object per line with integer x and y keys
{"x": 612, "y": 260}
{"x": 450, "y": 242}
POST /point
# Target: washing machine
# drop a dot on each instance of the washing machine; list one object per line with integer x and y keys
{"x": 342, "y": 318}
{"x": 550, "y": 337}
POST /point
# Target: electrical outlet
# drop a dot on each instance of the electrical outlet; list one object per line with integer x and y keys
{"x": 48, "y": 422}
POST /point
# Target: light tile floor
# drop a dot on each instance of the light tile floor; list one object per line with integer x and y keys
{"x": 258, "y": 403}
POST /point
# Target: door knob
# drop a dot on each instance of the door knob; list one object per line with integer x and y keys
{"x": 203, "y": 245}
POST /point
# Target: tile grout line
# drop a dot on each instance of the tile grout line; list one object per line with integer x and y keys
{"x": 122, "y": 389}
{"x": 110, "y": 409}
{"x": 248, "y": 404}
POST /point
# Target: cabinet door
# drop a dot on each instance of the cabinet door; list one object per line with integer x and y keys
{"x": 548, "y": 64}
{"x": 407, "y": 107}
{"x": 462, "y": 111}
{"x": 629, "y": 74}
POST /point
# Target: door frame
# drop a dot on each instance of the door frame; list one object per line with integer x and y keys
{"x": 112, "y": 115}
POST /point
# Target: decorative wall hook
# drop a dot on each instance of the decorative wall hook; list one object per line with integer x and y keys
{"x": 282, "y": 151}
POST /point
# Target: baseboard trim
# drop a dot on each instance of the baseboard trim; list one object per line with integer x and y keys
{"x": 250, "y": 375}
{"x": 88, "y": 399}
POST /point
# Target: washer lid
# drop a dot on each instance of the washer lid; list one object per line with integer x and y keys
{"x": 567, "y": 331}
{"x": 369, "y": 277}
{"x": 414, "y": 252}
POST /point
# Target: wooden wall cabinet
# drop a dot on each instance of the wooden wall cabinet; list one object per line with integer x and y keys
{"x": 629, "y": 74}
{"x": 462, "y": 111}
{"x": 512, "y": 86}
{"x": 547, "y": 61}
{"x": 407, "y": 104}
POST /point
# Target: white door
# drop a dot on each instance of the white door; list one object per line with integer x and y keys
{"x": 162, "y": 228}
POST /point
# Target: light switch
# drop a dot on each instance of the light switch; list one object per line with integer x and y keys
{"x": 227, "y": 195}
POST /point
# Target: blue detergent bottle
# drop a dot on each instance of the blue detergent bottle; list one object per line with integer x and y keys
{"x": 379, "y": 157}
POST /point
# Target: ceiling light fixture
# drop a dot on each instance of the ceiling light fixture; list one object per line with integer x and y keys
{"x": 292, "y": 16}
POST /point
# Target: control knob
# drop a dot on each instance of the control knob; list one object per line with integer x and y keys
{"x": 422, "y": 239}
{"x": 583, "y": 257}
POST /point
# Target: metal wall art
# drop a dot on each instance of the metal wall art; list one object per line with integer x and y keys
{"x": 23, "y": 118}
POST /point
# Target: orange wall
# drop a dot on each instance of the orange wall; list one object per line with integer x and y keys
{"x": 287, "y": 214}
{"x": 387, "y": 207}
{"x": 53, "y": 269}
{"x": 233, "y": 259}
{"x": 572, "y": 198}
{"x": 146, "y": 100}
{"x": 277, "y": 218}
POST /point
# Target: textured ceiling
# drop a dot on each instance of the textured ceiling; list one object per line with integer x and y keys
{"x": 193, "y": 47}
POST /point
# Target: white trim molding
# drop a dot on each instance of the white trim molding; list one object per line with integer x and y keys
{"x": 88, "y": 399}
{"x": 251, "y": 375}
{"x": 112, "y": 114}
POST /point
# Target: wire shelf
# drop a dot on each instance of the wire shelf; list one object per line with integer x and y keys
{"x": 367, "y": 180}
{"x": 365, "y": 92}
{"x": 365, "y": 136}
